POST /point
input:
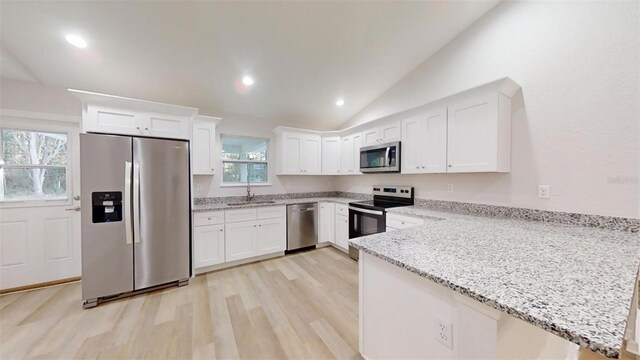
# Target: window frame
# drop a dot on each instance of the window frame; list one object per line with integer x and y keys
{"x": 266, "y": 162}
{"x": 68, "y": 199}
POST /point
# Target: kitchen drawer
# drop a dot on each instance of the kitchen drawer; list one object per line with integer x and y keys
{"x": 208, "y": 218}
{"x": 272, "y": 212}
{"x": 240, "y": 215}
{"x": 402, "y": 222}
{"x": 342, "y": 209}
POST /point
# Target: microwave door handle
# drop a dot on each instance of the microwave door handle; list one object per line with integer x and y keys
{"x": 386, "y": 156}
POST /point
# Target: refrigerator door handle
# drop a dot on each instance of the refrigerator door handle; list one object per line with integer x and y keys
{"x": 136, "y": 202}
{"x": 127, "y": 204}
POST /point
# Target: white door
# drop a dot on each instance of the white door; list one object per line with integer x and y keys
{"x": 104, "y": 119}
{"x": 472, "y": 135}
{"x": 208, "y": 245}
{"x": 327, "y": 221}
{"x": 290, "y": 157}
{"x": 412, "y": 144}
{"x": 331, "y": 155}
{"x": 39, "y": 201}
{"x": 390, "y": 131}
{"x": 311, "y": 153}
{"x": 371, "y": 136}
{"x": 203, "y": 147}
{"x": 240, "y": 240}
{"x": 271, "y": 236}
{"x": 342, "y": 231}
{"x": 346, "y": 155}
{"x": 434, "y": 141}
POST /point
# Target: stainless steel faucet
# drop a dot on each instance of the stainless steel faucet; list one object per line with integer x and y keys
{"x": 249, "y": 195}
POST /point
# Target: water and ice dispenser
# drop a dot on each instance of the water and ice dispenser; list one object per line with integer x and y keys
{"x": 106, "y": 206}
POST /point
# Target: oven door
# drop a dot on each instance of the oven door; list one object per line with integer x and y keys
{"x": 380, "y": 158}
{"x": 364, "y": 222}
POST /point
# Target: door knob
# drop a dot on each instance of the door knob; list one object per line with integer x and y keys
{"x": 76, "y": 198}
{"x": 77, "y": 208}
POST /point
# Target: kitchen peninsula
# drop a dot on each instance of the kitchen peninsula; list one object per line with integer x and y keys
{"x": 480, "y": 287}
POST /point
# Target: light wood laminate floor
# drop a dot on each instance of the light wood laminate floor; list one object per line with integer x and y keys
{"x": 300, "y": 306}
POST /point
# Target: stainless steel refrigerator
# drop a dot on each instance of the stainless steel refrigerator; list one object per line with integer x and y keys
{"x": 136, "y": 214}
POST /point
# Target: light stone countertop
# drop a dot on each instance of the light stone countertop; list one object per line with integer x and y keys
{"x": 575, "y": 282}
{"x": 225, "y": 206}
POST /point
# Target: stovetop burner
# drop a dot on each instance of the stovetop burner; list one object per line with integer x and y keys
{"x": 385, "y": 197}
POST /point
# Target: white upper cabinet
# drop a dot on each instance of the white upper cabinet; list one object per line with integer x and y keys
{"x": 298, "y": 153}
{"x": 384, "y": 132}
{"x": 203, "y": 145}
{"x": 311, "y": 155}
{"x": 479, "y": 133}
{"x": 466, "y": 132}
{"x": 331, "y": 155}
{"x": 112, "y": 121}
{"x": 125, "y": 116}
{"x": 424, "y": 142}
{"x": 167, "y": 126}
{"x": 350, "y": 154}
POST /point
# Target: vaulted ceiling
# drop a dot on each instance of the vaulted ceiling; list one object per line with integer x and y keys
{"x": 302, "y": 55}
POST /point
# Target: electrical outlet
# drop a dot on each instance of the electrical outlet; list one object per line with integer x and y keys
{"x": 450, "y": 188}
{"x": 199, "y": 188}
{"x": 443, "y": 332}
{"x": 544, "y": 191}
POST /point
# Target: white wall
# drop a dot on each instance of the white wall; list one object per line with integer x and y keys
{"x": 28, "y": 96}
{"x": 235, "y": 124}
{"x": 575, "y": 123}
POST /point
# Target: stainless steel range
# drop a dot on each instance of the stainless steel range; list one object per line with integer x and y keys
{"x": 369, "y": 217}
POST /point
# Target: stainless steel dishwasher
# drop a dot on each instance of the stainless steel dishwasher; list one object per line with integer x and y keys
{"x": 302, "y": 226}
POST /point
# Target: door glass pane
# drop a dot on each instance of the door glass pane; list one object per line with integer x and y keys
{"x": 238, "y": 172}
{"x": 34, "y": 183}
{"x": 33, "y": 148}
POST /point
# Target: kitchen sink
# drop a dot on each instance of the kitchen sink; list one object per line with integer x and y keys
{"x": 251, "y": 203}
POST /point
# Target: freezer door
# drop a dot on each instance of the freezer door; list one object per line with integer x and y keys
{"x": 107, "y": 249}
{"x": 161, "y": 208}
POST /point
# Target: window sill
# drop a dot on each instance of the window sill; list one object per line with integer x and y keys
{"x": 245, "y": 185}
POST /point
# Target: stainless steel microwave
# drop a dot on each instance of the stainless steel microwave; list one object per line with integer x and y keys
{"x": 380, "y": 158}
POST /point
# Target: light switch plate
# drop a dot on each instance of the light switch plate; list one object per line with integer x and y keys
{"x": 450, "y": 188}
{"x": 544, "y": 191}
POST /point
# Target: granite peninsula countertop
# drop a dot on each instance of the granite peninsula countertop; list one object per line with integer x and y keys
{"x": 575, "y": 282}
{"x": 226, "y": 206}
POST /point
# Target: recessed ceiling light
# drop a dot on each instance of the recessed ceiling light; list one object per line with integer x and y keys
{"x": 76, "y": 41}
{"x": 340, "y": 102}
{"x": 247, "y": 80}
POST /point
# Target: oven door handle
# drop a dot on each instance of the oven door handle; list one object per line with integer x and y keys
{"x": 373, "y": 212}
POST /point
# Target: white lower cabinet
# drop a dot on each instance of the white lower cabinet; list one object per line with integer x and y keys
{"x": 398, "y": 222}
{"x": 239, "y": 240}
{"x": 342, "y": 231}
{"x": 221, "y": 237}
{"x": 208, "y": 244}
{"x": 271, "y": 236}
{"x": 326, "y": 228}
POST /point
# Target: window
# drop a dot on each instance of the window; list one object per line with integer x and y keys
{"x": 244, "y": 159}
{"x": 33, "y": 165}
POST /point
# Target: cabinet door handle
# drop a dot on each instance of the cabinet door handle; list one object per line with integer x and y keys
{"x": 146, "y": 128}
{"x": 221, "y": 230}
{"x": 449, "y": 165}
